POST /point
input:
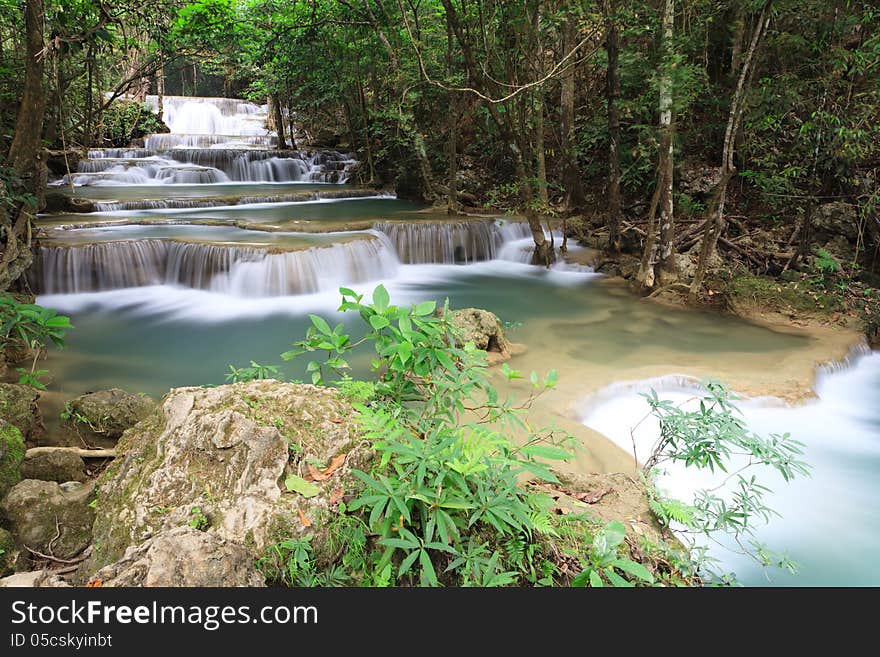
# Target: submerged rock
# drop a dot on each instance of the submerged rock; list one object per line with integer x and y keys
{"x": 183, "y": 556}
{"x": 217, "y": 459}
{"x": 11, "y": 456}
{"x": 100, "y": 418}
{"x": 51, "y": 518}
{"x": 18, "y": 406}
{"x": 485, "y": 330}
{"x": 57, "y": 466}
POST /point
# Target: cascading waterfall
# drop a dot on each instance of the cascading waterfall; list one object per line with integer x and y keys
{"x": 230, "y": 269}
{"x": 212, "y": 140}
{"x": 451, "y": 242}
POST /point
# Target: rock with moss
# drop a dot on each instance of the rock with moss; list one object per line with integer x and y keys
{"x": 57, "y": 466}
{"x": 183, "y": 556}
{"x": 55, "y": 519}
{"x": 18, "y": 406}
{"x": 217, "y": 459}
{"x": 11, "y": 556}
{"x": 11, "y": 456}
{"x": 485, "y": 330}
{"x": 100, "y": 418}
{"x": 33, "y": 579}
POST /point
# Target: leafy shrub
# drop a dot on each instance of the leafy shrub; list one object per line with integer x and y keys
{"x": 125, "y": 120}
{"x": 26, "y": 325}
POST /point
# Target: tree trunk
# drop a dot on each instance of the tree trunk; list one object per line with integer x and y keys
{"x": 452, "y": 154}
{"x": 666, "y": 269}
{"x": 25, "y": 155}
{"x": 160, "y": 91}
{"x": 279, "y": 122}
{"x": 571, "y": 175}
{"x": 716, "y": 224}
{"x": 612, "y": 91}
{"x": 540, "y": 154}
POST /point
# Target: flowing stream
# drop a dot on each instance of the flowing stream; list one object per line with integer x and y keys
{"x": 210, "y": 247}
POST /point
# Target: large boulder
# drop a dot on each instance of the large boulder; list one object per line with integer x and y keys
{"x": 832, "y": 219}
{"x": 57, "y": 466}
{"x": 51, "y": 518}
{"x": 218, "y": 458}
{"x": 485, "y": 330}
{"x": 18, "y": 406}
{"x": 11, "y": 456}
{"x": 183, "y": 556}
{"x": 100, "y": 418}
{"x": 33, "y": 579}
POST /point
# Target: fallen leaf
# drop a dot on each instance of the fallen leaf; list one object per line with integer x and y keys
{"x": 299, "y": 485}
{"x": 336, "y": 496}
{"x": 302, "y": 516}
{"x": 337, "y": 420}
{"x": 592, "y": 498}
{"x": 314, "y": 475}
{"x": 95, "y": 584}
{"x": 335, "y": 464}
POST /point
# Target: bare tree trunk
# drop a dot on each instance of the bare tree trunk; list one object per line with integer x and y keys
{"x": 666, "y": 269}
{"x": 452, "y": 155}
{"x": 279, "y": 121}
{"x": 160, "y": 91}
{"x": 571, "y": 175}
{"x": 540, "y": 153}
{"x": 612, "y": 91}
{"x": 716, "y": 224}
{"x": 25, "y": 154}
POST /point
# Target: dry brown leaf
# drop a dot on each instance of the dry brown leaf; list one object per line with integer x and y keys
{"x": 336, "y": 496}
{"x": 314, "y": 475}
{"x": 95, "y": 584}
{"x": 335, "y": 464}
{"x": 337, "y": 420}
{"x": 592, "y": 498}
{"x": 302, "y": 516}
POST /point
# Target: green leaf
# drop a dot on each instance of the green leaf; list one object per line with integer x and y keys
{"x": 595, "y": 580}
{"x": 635, "y": 569}
{"x": 378, "y": 322}
{"x": 299, "y": 485}
{"x": 424, "y": 308}
{"x": 547, "y": 452}
{"x": 615, "y": 532}
{"x": 381, "y": 298}
{"x": 321, "y": 325}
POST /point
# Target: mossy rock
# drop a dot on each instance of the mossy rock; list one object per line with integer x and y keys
{"x": 57, "y": 466}
{"x": 100, "y": 418}
{"x": 11, "y": 456}
{"x": 51, "y": 518}
{"x": 18, "y": 406}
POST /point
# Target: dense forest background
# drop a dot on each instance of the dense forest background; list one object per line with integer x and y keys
{"x": 670, "y": 130}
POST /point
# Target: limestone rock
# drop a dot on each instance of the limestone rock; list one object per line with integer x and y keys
{"x": 226, "y": 451}
{"x": 485, "y": 330}
{"x": 51, "y": 518}
{"x": 57, "y": 466}
{"x": 183, "y": 556}
{"x": 687, "y": 262}
{"x": 33, "y": 579}
{"x": 18, "y": 406}
{"x": 101, "y": 417}
{"x": 837, "y": 218}
{"x": 11, "y": 456}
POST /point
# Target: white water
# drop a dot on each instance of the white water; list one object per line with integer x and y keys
{"x": 212, "y": 140}
{"x": 830, "y": 521}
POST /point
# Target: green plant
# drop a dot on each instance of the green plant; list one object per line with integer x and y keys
{"x": 826, "y": 266}
{"x": 254, "y": 372}
{"x": 27, "y": 325}
{"x": 446, "y": 472}
{"x": 199, "y": 519}
{"x": 603, "y": 565}
{"x": 291, "y": 562}
{"x": 713, "y": 436}
{"x": 31, "y": 377}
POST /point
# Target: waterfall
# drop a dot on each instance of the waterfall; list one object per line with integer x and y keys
{"x": 451, "y": 242}
{"x": 243, "y": 271}
{"x": 212, "y": 140}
